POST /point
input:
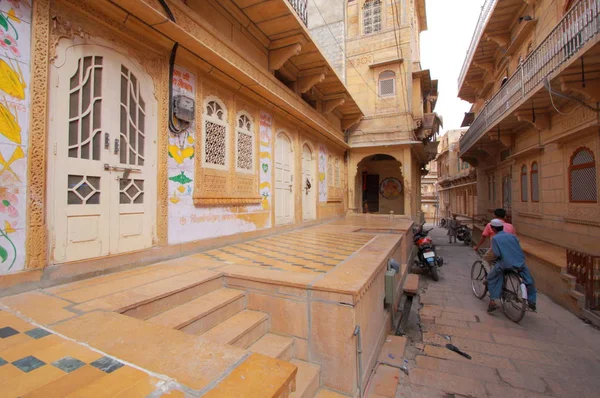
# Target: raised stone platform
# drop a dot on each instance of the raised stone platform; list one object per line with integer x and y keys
{"x": 270, "y": 316}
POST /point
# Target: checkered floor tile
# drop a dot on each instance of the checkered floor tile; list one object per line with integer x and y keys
{"x": 302, "y": 251}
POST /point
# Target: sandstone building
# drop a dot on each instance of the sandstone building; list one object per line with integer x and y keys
{"x": 147, "y": 141}
{"x": 457, "y": 180}
{"x": 531, "y": 72}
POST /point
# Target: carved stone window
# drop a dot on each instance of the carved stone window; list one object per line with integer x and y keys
{"x": 372, "y": 16}
{"x": 582, "y": 177}
{"x": 245, "y": 144}
{"x": 387, "y": 83}
{"x": 535, "y": 182}
{"x": 215, "y": 135}
{"x": 524, "y": 195}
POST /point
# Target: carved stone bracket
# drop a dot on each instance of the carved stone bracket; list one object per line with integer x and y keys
{"x": 330, "y": 105}
{"x": 541, "y": 122}
{"x": 308, "y": 78}
{"x": 280, "y": 56}
{"x": 501, "y": 40}
{"x": 350, "y": 121}
{"x": 589, "y": 92}
{"x": 486, "y": 66}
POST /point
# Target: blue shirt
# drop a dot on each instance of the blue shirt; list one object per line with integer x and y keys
{"x": 508, "y": 250}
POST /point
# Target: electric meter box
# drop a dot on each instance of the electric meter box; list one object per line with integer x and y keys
{"x": 183, "y": 108}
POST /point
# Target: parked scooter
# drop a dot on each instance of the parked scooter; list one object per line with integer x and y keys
{"x": 426, "y": 258}
{"x": 464, "y": 235}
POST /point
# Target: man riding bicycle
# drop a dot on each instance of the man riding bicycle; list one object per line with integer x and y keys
{"x": 508, "y": 254}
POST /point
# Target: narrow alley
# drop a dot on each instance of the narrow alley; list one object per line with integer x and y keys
{"x": 551, "y": 353}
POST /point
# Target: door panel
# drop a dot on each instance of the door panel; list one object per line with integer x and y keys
{"x": 99, "y": 131}
{"x": 373, "y": 193}
{"x": 308, "y": 194}
{"x": 284, "y": 199}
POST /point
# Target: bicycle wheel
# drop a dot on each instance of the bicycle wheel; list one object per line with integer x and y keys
{"x": 478, "y": 276}
{"x": 513, "y": 304}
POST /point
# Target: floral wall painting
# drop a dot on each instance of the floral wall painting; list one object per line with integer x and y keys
{"x": 322, "y": 173}
{"x": 180, "y": 164}
{"x": 266, "y": 161}
{"x": 15, "y": 49}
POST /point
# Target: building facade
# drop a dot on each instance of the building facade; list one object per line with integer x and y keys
{"x": 429, "y": 194}
{"x": 457, "y": 180}
{"x": 396, "y": 138}
{"x": 122, "y": 145}
{"x": 531, "y": 74}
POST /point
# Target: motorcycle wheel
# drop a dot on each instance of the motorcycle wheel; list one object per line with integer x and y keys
{"x": 467, "y": 241}
{"x": 434, "y": 273}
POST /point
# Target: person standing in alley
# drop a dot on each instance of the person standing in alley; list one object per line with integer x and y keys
{"x": 453, "y": 226}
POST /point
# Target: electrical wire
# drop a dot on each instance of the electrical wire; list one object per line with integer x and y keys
{"x": 551, "y": 92}
{"x": 172, "y": 127}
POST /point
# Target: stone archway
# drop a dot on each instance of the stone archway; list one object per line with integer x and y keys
{"x": 379, "y": 185}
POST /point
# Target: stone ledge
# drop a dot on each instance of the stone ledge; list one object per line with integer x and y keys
{"x": 551, "y": 254}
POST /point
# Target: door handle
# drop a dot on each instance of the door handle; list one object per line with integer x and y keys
{"x": 117, "y": 142}
{"x": 126, "y": 170}
{"x": 106, "y": 140}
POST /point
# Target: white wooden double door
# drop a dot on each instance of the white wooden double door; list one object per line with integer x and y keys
{"x": 103, "y": 172}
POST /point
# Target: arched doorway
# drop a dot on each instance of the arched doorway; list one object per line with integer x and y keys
{"x": 309, "y": 196}
{"x": 284, "y": 180}
{"x": 380, "y": 185}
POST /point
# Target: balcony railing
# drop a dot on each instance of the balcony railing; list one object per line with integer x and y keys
{"x": 301, "y": 8}
{"x": 484, "y": 17}
{"x": 580, "y": 25}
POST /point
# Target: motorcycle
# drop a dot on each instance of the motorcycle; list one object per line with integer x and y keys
{"x": 464, "y": 235}
{"x": 426, "y": 258}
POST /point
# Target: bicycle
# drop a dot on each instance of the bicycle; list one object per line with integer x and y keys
{"x": 514, "y": 291}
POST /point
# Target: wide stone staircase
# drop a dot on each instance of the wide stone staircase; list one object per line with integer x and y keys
{"x": 219, "y": 314}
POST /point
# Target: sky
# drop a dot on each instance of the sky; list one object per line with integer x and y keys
{"x": 443, "y": 49}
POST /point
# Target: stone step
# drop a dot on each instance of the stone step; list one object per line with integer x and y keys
{"x": 241, "y": 330}
{"x": 325, "y": 393}
{"x": 150, "y": 299}
{"x": 274, "y": 346}
{"x": 203, "y": 313}
{"x": 308, "y": 379}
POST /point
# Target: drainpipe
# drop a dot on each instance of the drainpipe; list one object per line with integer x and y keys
{"x": 359, "y": 360}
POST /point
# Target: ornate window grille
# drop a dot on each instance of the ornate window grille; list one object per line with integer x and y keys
{"x": 582, "y": 177}
{"x": 524, "y": 184}
{"x": 535, "y": 182}
{"x": 245, "y": 144}
{"x": 215, "y": 135}
{"x": 372, "y": 16}
{"x": 387, "y": 83}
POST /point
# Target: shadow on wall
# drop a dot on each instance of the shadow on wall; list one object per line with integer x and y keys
{"x": 380, "y": 185}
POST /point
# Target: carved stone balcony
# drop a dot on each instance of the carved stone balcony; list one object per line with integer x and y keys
{"x": 577, "y": 32}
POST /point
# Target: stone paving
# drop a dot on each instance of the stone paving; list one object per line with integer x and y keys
{"x": 549, "y": 354}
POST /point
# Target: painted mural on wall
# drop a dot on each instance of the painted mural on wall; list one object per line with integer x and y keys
{"x": 188, "y": 222}
{"x": 266, "y": 136}
{"x": 322, "y": 173}
{"x": 15, "y": 49}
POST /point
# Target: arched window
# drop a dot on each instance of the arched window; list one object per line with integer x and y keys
{"x": 215, "y": 135}
{"x": 524, "y": 183}
{"x": 535, "y": 182}
{"x": 582, "y": 177}
{"x": 387, "y": 83}
{"x": 244, "y": 144}
{"x": 372, "y": 16}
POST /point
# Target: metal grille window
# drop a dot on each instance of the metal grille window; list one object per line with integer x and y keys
{"x": 215, "y": 135}
{"x": 387, "y": 83}
{"x": 245, "y": 144}
{"x": 535, "y": 183}
{"x": 372, "y": 16}
{"x": 524, "y": 183}
{"x": 582, "y": 177}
